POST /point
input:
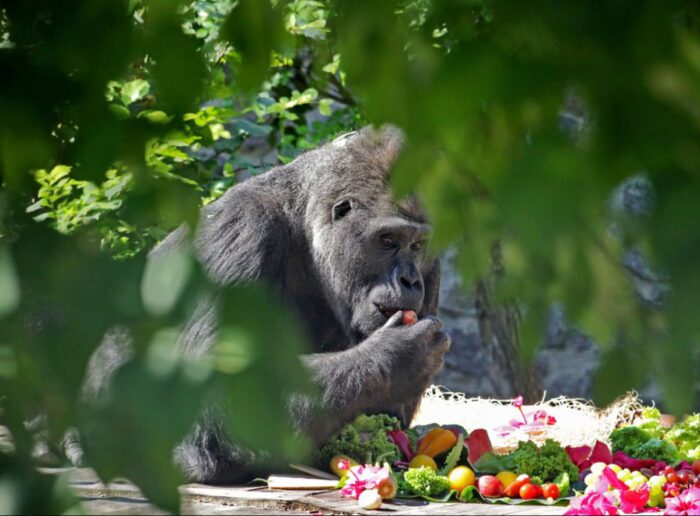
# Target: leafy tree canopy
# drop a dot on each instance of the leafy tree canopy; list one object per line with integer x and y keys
{"x": 118, "y": 120}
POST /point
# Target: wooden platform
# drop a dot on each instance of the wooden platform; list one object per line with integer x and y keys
{"x": 124, "y": 498}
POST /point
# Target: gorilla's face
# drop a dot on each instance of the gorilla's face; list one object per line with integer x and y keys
{"x": 375, "y": 262}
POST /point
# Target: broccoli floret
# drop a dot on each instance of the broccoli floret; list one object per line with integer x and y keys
{"x": 423, "y": 481}
{"x": 628, "y": 440}
{"x": 658, "y": 450}
{"x": 364, "y": 440}
{"x": 546, "y": 462}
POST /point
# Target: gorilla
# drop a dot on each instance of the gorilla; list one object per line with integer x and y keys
{"x": 325, "y": 234}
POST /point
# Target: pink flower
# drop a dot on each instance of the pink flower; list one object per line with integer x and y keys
{"x": 611, "y": 478}
{"x": 541, "y": 417}
{"x": 633, "y": 501}
{"x": 531, "y": 420}
{"x": 365, "y": 477}
{"x": 593, "y": 503}
{"x": 688, "y": 502}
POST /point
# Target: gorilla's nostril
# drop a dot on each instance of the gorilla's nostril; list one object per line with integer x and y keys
{"x": 406, "y": 283}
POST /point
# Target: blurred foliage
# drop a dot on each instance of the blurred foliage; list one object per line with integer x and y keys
{"x": 118, "y": 120}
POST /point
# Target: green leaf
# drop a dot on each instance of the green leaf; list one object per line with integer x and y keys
{"x": 133, "y": 91}
{"x": 563, "y": 483}
{"x": 9, "y": 284}
{"x": 324, "y": 107}
{"x": 164, "y": 280}
{"x": 491, "y": 463}
{"x": 453, "y": 457}
{"x": 253, "y": 129}
{"x": 468, "y": 494}
{"x": 156, "y": 116}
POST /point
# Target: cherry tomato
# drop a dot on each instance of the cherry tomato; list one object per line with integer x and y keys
{"x": 513, "y": 490}
{"x": 550, "y": 491}
{"x": 538, "y": 490}
{"x": 528, "y": 492}
{"x": 683, "y": 477}
{"x": 668, "y": 471}
{"x": 672, "y": 478}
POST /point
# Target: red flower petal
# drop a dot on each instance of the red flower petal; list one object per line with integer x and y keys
{"x": 578, "y": 454}
{"x": 601, "y": 453}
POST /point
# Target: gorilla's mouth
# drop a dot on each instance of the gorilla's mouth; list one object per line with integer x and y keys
{"x": 387, "y": 311}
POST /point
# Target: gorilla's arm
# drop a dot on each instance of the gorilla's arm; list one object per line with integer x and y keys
{"x": 388, "y": 372}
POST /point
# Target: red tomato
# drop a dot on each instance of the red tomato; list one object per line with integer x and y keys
{"x": 538, "y": 490}
{"x": 513, "y": 490}
{"x": 672, "y": 478}
{"x": 550, "y": 491}
{"x": 528, "y": 492}
{"x": 683, "y": 477}
{"x": 669, "y": 470}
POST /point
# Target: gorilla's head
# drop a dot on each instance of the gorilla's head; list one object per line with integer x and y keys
{"x": 370, "y": 250}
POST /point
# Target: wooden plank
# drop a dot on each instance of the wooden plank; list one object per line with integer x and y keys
{"x": 125, "y": 498}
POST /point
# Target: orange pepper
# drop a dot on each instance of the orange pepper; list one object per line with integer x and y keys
{"x": 435, "y": 442}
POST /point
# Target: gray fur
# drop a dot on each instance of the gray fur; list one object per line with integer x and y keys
{"x": 311, "y": 231}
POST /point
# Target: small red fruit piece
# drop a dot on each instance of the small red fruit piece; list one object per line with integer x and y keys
{"x": 409, "y": 317}
{"x": 528, "y": 492}
{"x": 683, "y": 477}
{"x": 672, "y": 478}
{"x": 490, "y": 486}
{"x": 696, "y": 467}
{"x": 669, "y": 470}
{"x": 550, "y": 491}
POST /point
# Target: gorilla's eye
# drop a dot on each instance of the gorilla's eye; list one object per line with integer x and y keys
{"x": 416, "y": 246}
{"x": 387, "y": 241}
{"x": 341, "y": 209}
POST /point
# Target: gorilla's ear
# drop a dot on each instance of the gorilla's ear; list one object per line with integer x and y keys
{"x": 340, "y": 209}
{"x": 379, "y": 147}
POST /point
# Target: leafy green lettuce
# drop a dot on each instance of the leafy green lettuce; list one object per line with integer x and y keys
{"x": 686, "y": 436}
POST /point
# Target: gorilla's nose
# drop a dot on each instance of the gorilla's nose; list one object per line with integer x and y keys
{"x": 408, "y": 281}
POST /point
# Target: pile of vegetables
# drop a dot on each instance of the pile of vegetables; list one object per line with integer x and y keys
{"x": 438, "y": 464}
{"x": 649, "y": 439}
{"x": 650, "y": 467}
{"x": 647, "y": 467}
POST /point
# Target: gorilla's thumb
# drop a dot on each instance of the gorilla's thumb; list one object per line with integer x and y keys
{"x": 394, "y": 320}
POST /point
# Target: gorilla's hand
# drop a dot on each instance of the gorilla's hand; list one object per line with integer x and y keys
{"x": 412, "y": 353}
{"x": 390, "y": 369}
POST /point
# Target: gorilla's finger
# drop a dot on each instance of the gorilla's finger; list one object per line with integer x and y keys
{"x": 394, "y": 320}
{"x": 428, "y": 324}
{"x": 442, "y": 343}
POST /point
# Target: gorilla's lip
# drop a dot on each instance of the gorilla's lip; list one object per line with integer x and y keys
{"x": 388, "y": 311}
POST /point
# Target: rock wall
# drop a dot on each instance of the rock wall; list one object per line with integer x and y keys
{"x": 567, "y": 358}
